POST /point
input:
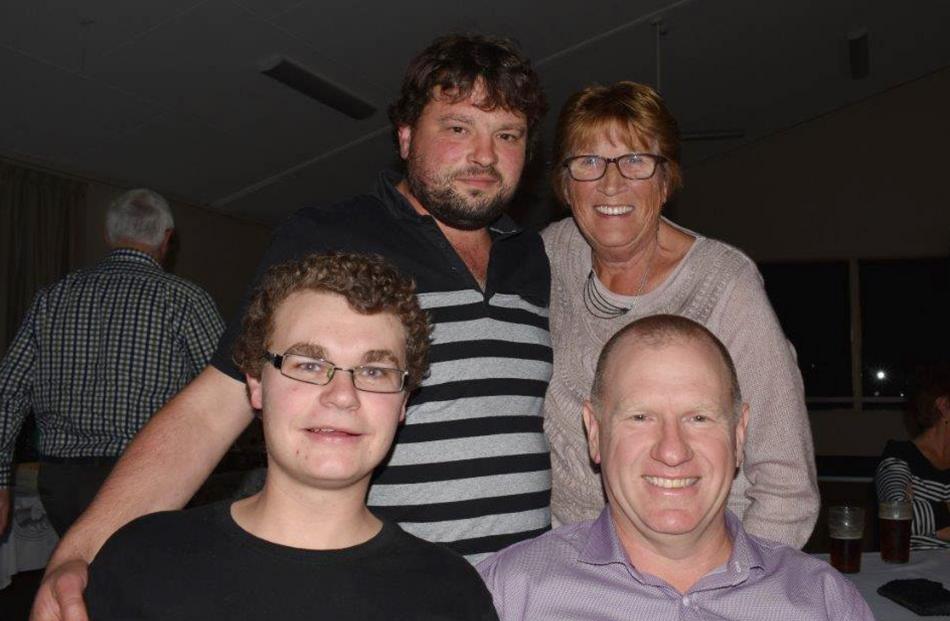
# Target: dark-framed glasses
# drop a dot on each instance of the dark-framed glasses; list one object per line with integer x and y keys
{"x": 366, "y": 377}
{"x": 637, "y": 166}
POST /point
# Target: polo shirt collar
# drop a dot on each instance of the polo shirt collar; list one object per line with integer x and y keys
{"x": 397, "y": 204}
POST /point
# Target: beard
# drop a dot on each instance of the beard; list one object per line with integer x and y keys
{"x": 469, "y": 211}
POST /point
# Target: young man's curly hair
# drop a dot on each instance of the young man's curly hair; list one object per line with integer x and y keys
{"x": 369, "y": 284}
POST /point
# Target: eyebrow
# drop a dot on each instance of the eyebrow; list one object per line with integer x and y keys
{"x": 380, "y": 355}
{"x": 521, "y": 127}
{"x": 638, "y": 407}
{"x": 468, "y": 120}
{"x": 458, "y": 118}
{"x": 312, "y": 350}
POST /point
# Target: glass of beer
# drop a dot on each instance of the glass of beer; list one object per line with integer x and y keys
{"x": 895, "y": 519}
{"x": 846, "y": 527}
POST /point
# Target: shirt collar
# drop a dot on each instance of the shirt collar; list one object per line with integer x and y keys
{"x": 603, "y": 547}
{"x": 393, "y": 199}
{"x": 132, "y": 256}
{"x": 745, "y": 554}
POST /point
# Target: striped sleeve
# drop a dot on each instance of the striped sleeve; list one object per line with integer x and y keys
{"x": 894, "y": 480}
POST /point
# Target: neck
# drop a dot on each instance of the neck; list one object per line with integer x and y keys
{"x": 472, "y": 246}
{"x": 134, "y": 245}
{"x": 627, "y": 272}
{"x": 304, "y": 517}
{"x": 680, "y": 560}
{"x": 933, "y": 443}
{"x": 649, "y": 259}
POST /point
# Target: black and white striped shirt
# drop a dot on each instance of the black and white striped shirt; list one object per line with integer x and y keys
{"x": 471, "y": 467}
{"x": 101, "y": 351}
{"x": 903, "y": 467}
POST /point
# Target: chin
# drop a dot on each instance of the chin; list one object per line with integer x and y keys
{"x": 673, "y": 524}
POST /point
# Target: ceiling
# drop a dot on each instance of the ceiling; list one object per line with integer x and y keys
{"x": 167, "y": 93}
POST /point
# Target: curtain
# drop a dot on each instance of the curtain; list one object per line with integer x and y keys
{"x": 38, "y": 212}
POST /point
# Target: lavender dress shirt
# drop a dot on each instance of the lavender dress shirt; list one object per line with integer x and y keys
{"x": 580, "y": 572}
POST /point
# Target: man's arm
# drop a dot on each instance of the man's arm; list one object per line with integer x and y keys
{"x": 160, "y": 470}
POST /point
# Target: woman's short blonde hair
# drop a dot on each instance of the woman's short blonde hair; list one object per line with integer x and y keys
{"x": 634, "y": 112}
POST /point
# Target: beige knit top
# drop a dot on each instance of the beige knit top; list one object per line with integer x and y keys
{"x": 776, "y": 493}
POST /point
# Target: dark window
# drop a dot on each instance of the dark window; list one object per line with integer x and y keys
{"x": 812, "y": 303}
{"x": 905, "y": 312}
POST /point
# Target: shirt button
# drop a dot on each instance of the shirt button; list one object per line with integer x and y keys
{"x": 686, "y": 600}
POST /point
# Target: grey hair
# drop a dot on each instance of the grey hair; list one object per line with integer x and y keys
{"x": 656, "y": 331}
{"x": 140, "y": 216}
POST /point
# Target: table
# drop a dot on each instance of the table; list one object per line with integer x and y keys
{"x": 929, "y": 564}
{"x": 30, "y": 540}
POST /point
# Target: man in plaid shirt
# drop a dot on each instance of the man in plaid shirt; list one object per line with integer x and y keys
{"x": 98, "y": 353}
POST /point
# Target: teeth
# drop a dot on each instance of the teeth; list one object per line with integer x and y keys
{"x": 671, "y": 483}
{"x": 613, "y": 210}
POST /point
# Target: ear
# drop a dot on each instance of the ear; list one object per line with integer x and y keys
{"x": 402, "y": 409}
{"x": 254, "y": 392}
{"x": 404, "y": 133}
{"x": 566, "y": 191}
{"x": 592, "y": 426}
{"x": 943, "y": 405}
{"x": 163, "y": 247}
{"x": 741, "y": 426}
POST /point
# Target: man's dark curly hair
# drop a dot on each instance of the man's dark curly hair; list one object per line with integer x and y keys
{"x": 369, "y": 284}
{"x": 455, "y": 63}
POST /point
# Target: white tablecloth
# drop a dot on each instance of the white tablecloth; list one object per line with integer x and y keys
{"x": 30, "y": 539}
{"x": 929, "y": 564}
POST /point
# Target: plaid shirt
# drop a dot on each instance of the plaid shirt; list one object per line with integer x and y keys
{"x": 99, "y": 352}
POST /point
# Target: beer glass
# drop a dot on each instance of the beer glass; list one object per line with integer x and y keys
{"x": 846, "y": 527}
{"x": 895, "y": 517}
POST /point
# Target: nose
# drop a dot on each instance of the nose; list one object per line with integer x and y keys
{"x": 672, "y": 446}
{"x": 612, "y": 182}
{"x": 483, "y": 150}
{"x": 340, "y": 392}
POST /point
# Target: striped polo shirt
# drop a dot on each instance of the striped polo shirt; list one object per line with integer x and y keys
{"x": 470, "y": 468}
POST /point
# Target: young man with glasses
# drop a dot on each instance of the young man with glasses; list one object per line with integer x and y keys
{"x": 352, "y": 343}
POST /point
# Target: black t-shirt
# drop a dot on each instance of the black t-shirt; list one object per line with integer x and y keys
{"x": 199, "y": 564}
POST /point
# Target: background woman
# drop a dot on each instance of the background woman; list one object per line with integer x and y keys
{"x": 617, "y": 259}
{"x": 923, "y": 465}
